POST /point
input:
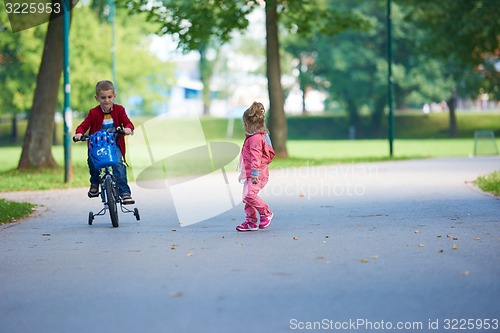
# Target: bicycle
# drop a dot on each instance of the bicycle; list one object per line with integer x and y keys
{"x": 103, "y": 152}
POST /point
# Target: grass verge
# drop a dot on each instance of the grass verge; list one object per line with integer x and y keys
{"x": 490, "y": 183}
{"x": 12, "y": 211}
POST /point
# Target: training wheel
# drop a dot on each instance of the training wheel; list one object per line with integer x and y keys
{"x": 136, "y": 214}
{"x": 91, "y": 218}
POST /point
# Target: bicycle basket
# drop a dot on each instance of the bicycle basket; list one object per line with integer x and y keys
{"x": 102, "y": 149}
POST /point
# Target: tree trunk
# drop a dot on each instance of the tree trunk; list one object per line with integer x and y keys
{"x": 452, "y": 105}
{"x": 38, "y": 139}
{"x": 377, "y": 115}
{"x": 302, "y": 85}
{"x": 277, "y": 119}
{"x": 355, "y": 129}
{"x": 14, "y": 128}
{"x": 205, "y": 74}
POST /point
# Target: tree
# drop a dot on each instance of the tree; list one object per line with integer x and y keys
{"x": 206, "y": 72}
{"x": 19, "y": 61}
{"x": 140, "y": 74}
{"x": 36, "y": 151}
{"x": 91, "y": 64}
{"x": 195, "y": 22}
{"x": 465, "y": 36}
{"x": 352, "y": 65}
{"x": 277, "y": 121}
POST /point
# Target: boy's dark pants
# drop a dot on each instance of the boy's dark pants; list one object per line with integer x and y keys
{"x": 119, "y": 171}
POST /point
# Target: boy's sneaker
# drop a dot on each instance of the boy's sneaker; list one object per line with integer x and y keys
{"x": 127, "y": 199}
{"x": 247, "y": 226}
{"x": 93, "y": 191}
{"x": 265, "y": 221}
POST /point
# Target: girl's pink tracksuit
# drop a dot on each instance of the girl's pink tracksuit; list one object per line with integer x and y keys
{"x": 256, "y": 154}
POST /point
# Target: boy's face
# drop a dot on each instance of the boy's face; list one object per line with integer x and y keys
{"x": 106, "y": 98}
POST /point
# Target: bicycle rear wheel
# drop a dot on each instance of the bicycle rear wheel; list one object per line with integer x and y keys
{"x": 111, "y": 198}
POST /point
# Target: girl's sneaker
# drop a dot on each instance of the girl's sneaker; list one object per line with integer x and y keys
{"x": 247, "y": 226}
{"x": 265, "y": 221}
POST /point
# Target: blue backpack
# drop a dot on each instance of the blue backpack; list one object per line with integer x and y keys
{"x": 102, "y": 149}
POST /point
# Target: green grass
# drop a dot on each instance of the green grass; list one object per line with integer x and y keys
{"x": 32, "y": 180}
{"x": 13, "y": 211}
{"x": 490, "y": 183}
{"x": 302, "y": 153}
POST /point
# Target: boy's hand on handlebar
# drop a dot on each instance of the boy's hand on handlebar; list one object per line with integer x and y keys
{"x": 77, "y": 137}
{"x": 123, "y": 130}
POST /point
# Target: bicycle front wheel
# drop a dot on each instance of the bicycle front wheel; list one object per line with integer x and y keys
{"x": 111, "y": 198}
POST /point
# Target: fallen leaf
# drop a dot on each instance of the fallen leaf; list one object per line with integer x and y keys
{"x": 45, "y": 234}
{"x": 421, "y": 245}
{"x": 295, "y": 238}
{"x": 320, "y": 257}
{"x": 174, "y": 230}
{"x": 449, "y": 236}
{"x": 454, "y": 247}
{"x": 456, "y": 238}
{"x": 441, "y": 251}
{"x": 374, "y": 257}
{"x": 173, "y": 248}
{"x": 189, "y": 254}
{"x": 417, "y": 231}
{"x": 477, "y": 238}
{"x": 364, "y": 260}
{"x": 439, "y": 236}
{"x": 327, "y": 236}
{"x": 466, "y": 273}
{"x": 301, "y": 195}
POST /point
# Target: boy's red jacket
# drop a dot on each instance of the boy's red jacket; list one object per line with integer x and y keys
{"x": 93, "y": 123}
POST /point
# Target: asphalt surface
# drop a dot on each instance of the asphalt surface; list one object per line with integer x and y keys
{"x": 407, "y": 246}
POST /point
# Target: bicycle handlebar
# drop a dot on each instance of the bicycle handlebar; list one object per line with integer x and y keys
{"x": 84, "y": 137}
{"x": 117, "y": 131}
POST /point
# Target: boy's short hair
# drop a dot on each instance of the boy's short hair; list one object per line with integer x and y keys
{"x": 103, "y": 86}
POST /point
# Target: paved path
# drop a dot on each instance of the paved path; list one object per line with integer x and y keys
{"x": 370, "y": 244}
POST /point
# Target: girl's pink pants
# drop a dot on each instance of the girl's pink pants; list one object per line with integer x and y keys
{"x": 253, "y": 203}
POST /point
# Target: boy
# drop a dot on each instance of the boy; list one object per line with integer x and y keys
{"x": 105, "y": 116}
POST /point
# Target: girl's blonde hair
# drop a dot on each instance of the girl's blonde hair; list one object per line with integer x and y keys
{"x": 254, "y": 118}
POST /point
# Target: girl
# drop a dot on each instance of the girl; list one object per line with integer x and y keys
{"x": 256, "y": 154}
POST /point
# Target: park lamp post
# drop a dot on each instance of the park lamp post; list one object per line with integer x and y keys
{"x": 390, "y": 79}
{"x": 67, "y": 113}
{"x": 111, "y": 20}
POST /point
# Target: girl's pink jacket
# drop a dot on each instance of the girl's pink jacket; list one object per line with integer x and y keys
{"x": 256, "y": 154}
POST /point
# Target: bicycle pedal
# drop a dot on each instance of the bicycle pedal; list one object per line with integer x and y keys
{"x": 93, "y": 195}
